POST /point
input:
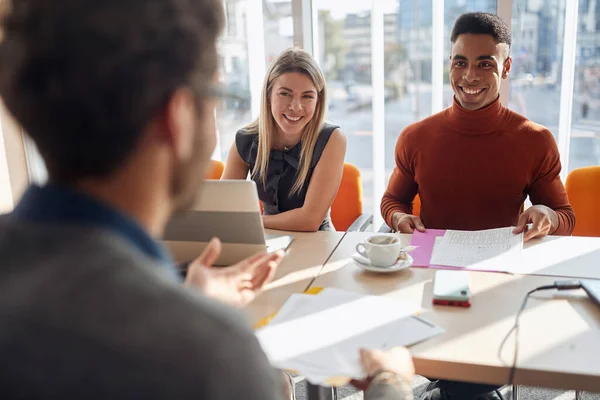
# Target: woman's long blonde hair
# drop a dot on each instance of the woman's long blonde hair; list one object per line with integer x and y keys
{"x": 291, "y": 60}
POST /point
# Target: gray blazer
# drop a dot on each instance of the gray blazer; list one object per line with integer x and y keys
{"x": 85, "y": 315}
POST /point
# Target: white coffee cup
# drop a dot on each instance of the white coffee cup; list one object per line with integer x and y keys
{"x": 380, "y": 250}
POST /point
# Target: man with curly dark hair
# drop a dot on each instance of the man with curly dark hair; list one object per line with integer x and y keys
{"x": 474, "y": 164}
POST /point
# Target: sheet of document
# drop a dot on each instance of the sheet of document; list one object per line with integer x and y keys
{"x": 491, "y": 249}
{"x": 319, "y": 336}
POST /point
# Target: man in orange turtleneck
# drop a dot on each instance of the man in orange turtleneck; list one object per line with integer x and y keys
{"x": 474, "y": 163}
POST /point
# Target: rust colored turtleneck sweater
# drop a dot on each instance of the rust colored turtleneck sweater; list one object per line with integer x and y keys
{"x": 474, "y": 169}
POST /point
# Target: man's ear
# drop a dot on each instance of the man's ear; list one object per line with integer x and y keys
{"x": 506, "y": 67}
{"x": 180, "y": 116}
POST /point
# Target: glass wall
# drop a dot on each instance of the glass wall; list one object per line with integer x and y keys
{"x": 538, "y": 31}
{"x": 407, "y": 70}
{"x": 585, "y": 124}
{"x": 344, "y": 30}
{"x": 233, "y": 49}
{"x": 279, "y": 27}
{"x": 234, "y": 74}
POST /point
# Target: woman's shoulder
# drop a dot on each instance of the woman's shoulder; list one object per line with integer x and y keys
{"x": 325, "y": 134}
{"x": 328, "y": 128}
{"x": 245, "y": 136}
{"x": 246, "y": 133}
{"x": 246, "y": 143}
{"x": 326, "y": 131}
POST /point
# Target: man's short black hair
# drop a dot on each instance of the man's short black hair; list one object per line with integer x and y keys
{"x": 84, "y": 77}
{"x": 481, "y": 23}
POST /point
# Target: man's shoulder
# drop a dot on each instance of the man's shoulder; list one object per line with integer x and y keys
{"x": 96, "y": 280}
{"x": 523, "y": 126}
{"x": 75, "y": 254}
{"x": 36, "y": 247}
{"x": 95, "y": 259}
{"x": 115, "y": 309}
{"x": 423, "y": 129}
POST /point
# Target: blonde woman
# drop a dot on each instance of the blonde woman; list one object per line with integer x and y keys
{"x": 295, "y": 158}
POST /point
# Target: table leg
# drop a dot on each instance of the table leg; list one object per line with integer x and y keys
{"x": 515, "y": 392}
{"x": 316, "y": 392}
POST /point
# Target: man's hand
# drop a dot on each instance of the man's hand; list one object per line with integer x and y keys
{"x": 236, "y": 285}
{"x": 544, "y": 221}
{"x": 406, "y": 223}
{"x": 396, "y": 360}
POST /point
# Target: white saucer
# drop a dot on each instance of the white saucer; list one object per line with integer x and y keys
{"x": 365, "y": 264}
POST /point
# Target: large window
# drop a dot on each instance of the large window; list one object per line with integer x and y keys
{"x": 344, "y": 30}
{"x": 238, "y": 43}
{"x": 408, "y": 55}
{"x": 234, "y": 74}
{"x": 279, "y": 27}
{"x": 585, "y": 122}
{"x": 538, "y": 30}
{"x": 375, "y": 94}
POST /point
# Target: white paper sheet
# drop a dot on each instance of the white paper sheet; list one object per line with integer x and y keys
{"x": 491, "y": 249}
{"x": 320, "y": 335}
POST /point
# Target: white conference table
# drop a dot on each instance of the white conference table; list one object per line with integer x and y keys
{"x": 303, "y": 261}
{"x": 561, "y": 256}
{"x": 559, "y": 340}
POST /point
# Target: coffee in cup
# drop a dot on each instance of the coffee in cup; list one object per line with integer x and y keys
{"x": 380, "y": 250}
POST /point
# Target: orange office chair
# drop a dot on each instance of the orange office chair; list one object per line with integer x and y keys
{"x": 215, "y": 170}
{"x": 583, "y": 189}
{"x": 346, "y": 210}
{"x": 417, "y": 206}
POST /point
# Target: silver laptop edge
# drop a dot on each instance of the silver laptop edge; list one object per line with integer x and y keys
{"x": 229, "y": 210}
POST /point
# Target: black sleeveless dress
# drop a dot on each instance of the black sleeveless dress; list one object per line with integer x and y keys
{"x": 281, "y": 173}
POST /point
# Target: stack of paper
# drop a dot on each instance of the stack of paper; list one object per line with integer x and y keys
{"x": 319, "y": 336}
{"x": 486, "y": 250}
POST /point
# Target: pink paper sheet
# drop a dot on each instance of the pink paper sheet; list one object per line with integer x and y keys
{"x": 424, "y": 242}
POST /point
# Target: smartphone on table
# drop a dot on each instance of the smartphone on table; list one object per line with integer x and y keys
{"x": 452, "y": 288}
